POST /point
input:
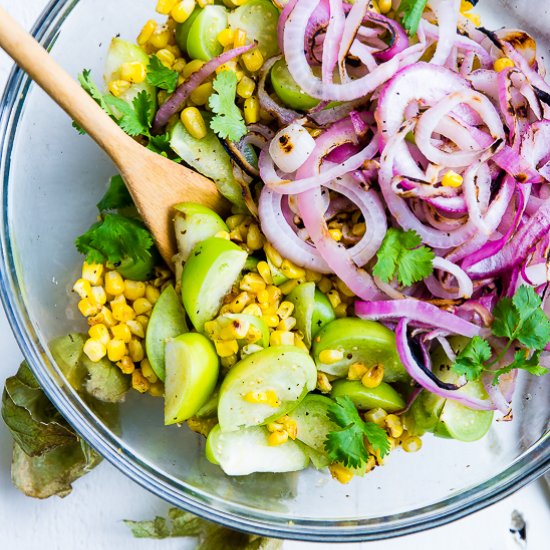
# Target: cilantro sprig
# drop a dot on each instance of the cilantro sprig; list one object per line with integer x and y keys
{"x": 228, "y": 121}
{"x": 410, "y": 13}
{"x": 518, "y": 319}
{"x": 161, "y": 76}
{"x": 347, "y": 446}
{"x": 402, "y": 255}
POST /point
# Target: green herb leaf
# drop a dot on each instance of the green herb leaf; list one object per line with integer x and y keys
{"x": 522, "y": 361}
{"x": 133, "y": 119}
{"x": 117, "y": 196}
{"x": 469, "y": 362}
{"x": 402, "y": 255}
{"x": 228, "y": 122}
{"x": 160, "y": 76}
{"x": 160, "y": 144}
{"x": 89, "y": 86}
{"x": 411, "y": 12}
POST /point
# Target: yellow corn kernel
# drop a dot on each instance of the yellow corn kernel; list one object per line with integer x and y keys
{"x": 133, "y": 71}
{"x": 88, "y": 307}
{"x": 193, "y": 122}
{"x": 288, "y": 286}
{"x": 118, "y": 87}
{"x": 179, "y": 64}
{"x": 239, "y": 38}
{"x": 147, "y": 371}
{"x": 98, "y": 295}
{"x": 336, "y": 234}
{"x": 164, "y": 7}
{"x": 299, "y": 342}
{"x": 371, "y": 463}
{"x": 234, "y": 330}
{"x": 373, "y": 377}
{"x": 268, "y": 397}
{"x": 226, "y": 37}
{"x": 251, "y": 110}
{"x": 239, "y": 303}
{"x": 271, "y": 320}
{"x": 139, "y": 382}
{"x": 252, "y": 282}
{"x": 114, "y": 283}
{"x": 323, "y": 383}
{"x": 263, "y": 298}
{"x": 116, "y": 350}
{"x": 273, "y": 255}
{"x": 100, "y": 332}
{"x": 285, "y": 310}
{"x": 290, "y": 426}
{"x": 331, "y": 356}
{"x": 378, "y": 416}
{"x": 344, "y": 289}
{"x": 94, "y": 350}
{"x": 225, "y": 348}
{"x": 126, "y": 365}
{"x": 152, "y": 293}
{"x": 93, "y": 273}
{"x": 274, "y": 427}
{"x": 200, "y": 95}
{"x": 334, "y": 298}
{"x": 83, "y": 288}
{"x": 313, "y": 276}
{"x": 384, "y": 5}
{"x": 325, "y": 284}
{"x": 160, "y": 38}
{"x": 223, "y": 235}
{"x": 341, "y": 310}
{"x": 265, "y": 272}
{"x": 203, "y": 3}
{"x": 254, "y": 238}
{"x": 146, "y": 32}
{"x": 356, "y": 371}
{"x": 253, "y": 309}
{"x": 105, "y": 316}
{"x": 359, "y": 229}
{"x": 277, "y": 438}
{"x": 287, "y": 324}
{"x": 253, "y": 60}
{"x": 135, "y": 328}
{"x": 292, "y": 271}
{"x": 157, "y": 389}
{"x": 340, "y": 473}
{"x": 135, "y": 350}
{"x": 134, "y": 289}
{"x": 394, "y": 425}
{"x": 143, "y": 320}
{"x": 166, "y": 57}
{"x": 180, "y": 81}
{"x": 182, "y": 10}
{"x": 142, "y": 305}
{"x": 228, "y": 362}
{"x": 281, "y": 338}
{"x": 227, "y": 66}
{"x": 234, "y": 221}
{"x": 452, "y": 179}
{"x": 314, "y": 132}
{"x": 411, "y": 444}
{"x": 503, "y": 63}
{"x": 212, "y": 329}
{"x": 122, "y": 332}
{"x": 245, "y": 88}
{"x": 122, "y": 312}
{"x": 274, "y": 293}
{"x": 192, "y": 67}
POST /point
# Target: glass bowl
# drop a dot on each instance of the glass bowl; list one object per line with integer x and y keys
{"x": 51, "y": 180}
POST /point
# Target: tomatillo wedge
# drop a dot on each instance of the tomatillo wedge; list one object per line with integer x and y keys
{"x": 247, "y": 451}
{"x": 383, "y": 396}
{"x": 192, "y": 368}
{"x": 202, "y": 38}
{"x": 194, "y": 223}
{"x": 182, "y": 29}
{"x": 167, "y": 321}
{"x": 287, "y": 90}
{"x": 264, "y": 386}
{"x": 208, "y": 275}
{"x": 367, "y": 342}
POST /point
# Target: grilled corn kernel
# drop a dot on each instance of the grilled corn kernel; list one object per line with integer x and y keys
{"x": 164, "y": 7}
{"x": 344, "y": 289}
{"x": 135, "y": 350}
{"x": 200, "y": 95}
{"x": 83, "y": 288}
{"x": 122, "y": 312}
{"x": 212, "y": 329}
{"x": 252, "y": 282}
{"x": 359, "y": 229}
{"x": 179, "y": 64}
{"x": 323, "y": 384}
{"x": 299, "y": 342}
{"x": 334, "y": 298}
{"x": 356, "y": 371}
{"x": 228, "y": 362}
{"x": 245, "y": 88}
{"x": 394, "y": 425}
{"x": 290, "y": 426}
{"x": 253, "y": 60}
{"x": 88, "y": 307}
{"x": 253, "y": 309}
{"x": 114, "y": 283}
{"x": 94, "y": 350}
{"x": 225, "y": 348}
{"x": 287, "y": 324}
{"x": 143, "y": 320}
{"x": 134, "y": 289}
{"x": 105, "y": 316}
{"x": 239, "y": 303}
{"x": 157, "y": 389}
{"x": 273, "y": 255}
{"x": 147, "y": 371}
{"x": 265, "y": 272}
{"x": 239, "y": 38}
{"x": 223, "y": 235}
{"x": 226, "y": 37}
{"x": 139, "y": 382}
{"x": 341, "y": 310}
{"x": 92, "y": 273}
{"x": 271, "y": 320}
{"x": 98, "y": 295}
{"x": 373, "y": 377}
{"x": 503, "y": 63}
{"x": 118, "y": 87}
{"x": 235, "y": 329}
{"x": 193, "y": 122}
{"x": 251, "y": 110}
{"x": 227, "y": 66}
{"x": 133, "y": 71}
{"x": 277, "y": 438}
{"x": 384, "y": 5}
{"x": 336, "y": 234}
{"x": 192, "y": 67}
{"x": 146, "y": 32}
{"x": 268, "y": 397}
{"x": 451, "y": 179}
{"x": 292, "y": 271}
{"x": 274, "y": 293}
{"x": 340, "y": 473}
{"x": 135, "y": 328}
{"x": 122, "y": 332}
{"x": 126, "y": 365}
{"x": 325, "y": 284}
{"x": 313, "y": 276}
{"x": 152, "y": 293}
{"x": 331, "y": 356}
{"x": 288, "y": 286}
{"x": 160, "y": 38}
{"x": 411, "y": 444}
{"x": 100, "y": 332}
{"x": 234, "y": 221}
{"x": 281, "y": 338}
{"x": 249, "y": 349}
{"x": 166, "y": 57}
{"x": 378, "y": 416}
{"x": 285, "y": 310}
{"x": 142, "y": 305}
{"x": 254, "y": 239}
{"x": 274, "y": 427}
{"x": 182, "y": 10}
{"x": 116, "y": 350}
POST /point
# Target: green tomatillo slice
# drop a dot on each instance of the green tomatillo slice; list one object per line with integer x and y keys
{"x": 287, "y": 90}
{"x": 202, "y": 39}
{"x": 383, "y": 396}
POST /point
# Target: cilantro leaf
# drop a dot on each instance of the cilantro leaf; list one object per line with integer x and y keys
{"x": 402, "y": 254}
{"x": 522, "y": 361}
{"x": 134, "y": 119}
{"x": 411, "y": 12}
{"x": 505, "y": 318}
{"x": 89, "y": 86}
{"x": 160, "y": 76}
{"x": 117, "y": 196}
{"x": 348, "y": 446}
{"x": 228, "y": 121}
{"x": 469, "y": 362}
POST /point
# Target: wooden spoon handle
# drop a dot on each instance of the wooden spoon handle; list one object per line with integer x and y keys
{"x": 60, "y": 86}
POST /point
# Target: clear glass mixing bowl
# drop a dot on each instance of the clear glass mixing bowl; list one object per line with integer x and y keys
{"x": 51, "y": 180}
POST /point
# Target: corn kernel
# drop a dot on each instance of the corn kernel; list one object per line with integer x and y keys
{"x": 323, "y": 383}
{"x": 292, "y": 271}
{"x": 253, "y": 60}
{"x": 287, "y": 324}
{"x": 192, "y": 67}
{"x": 157, "y": 389}
{"x": 126, "y": 365}
{"x": 254, "y": 238}
{"x": 83, "y": 288}
{"x": 341, "y": 310}
{"x": 265, "y": 272}
{"x": 164, "y": 7}
{"x": 94, "y": 350}
{"x": 336, "y": 234}
{"x": 142, "y": 305}
{"x": 273, "y": 255}
{"x": 384, "y": 5}
{"x": 88, "y": 307}
{"x": 239, "y": 38}
{"x": 160, "y": 38}
{"x": 227, "y": 66}
{"x": 134, "y": 72}
{"x": 288, "y": 286}
{"x": 271, "y": 320}
{"x": 122, "y": 332}
{"x": 92, "y": 273}
{"x": 203, "y": 3}
{"x": 268, "y": 397}
{"x": 503, "y": 63}
{"x": 344, "y": 289}
{"x": 118, "y": 87}
{"x": 212, "y": 329}
{"x": 373, "y": 377}
{"x": 146, "y": 32}
{"x": 98, "y": 295}
{"x": 166, "y": 57}
{"x": 394, "y": 425}
{"x": 334, "y": 298}
{"x": 313, "y": 276}
{"x": 179, "y": 64}
{"x": 116, "y": 350}
{"x": 136, "y": 328}
{"x": 105, "y": 316}
{"x": 134, "y": 289}
{"x": 356, "y": 371}
{"x": 147, "y": 371}
{"x": 122, "y": 312}
{"x": 139, "y": 382}
{"x": 325, "y": 284}
{"x": 253, "y": 309}
{"x": 114, "y": 283}
{"x": 290, "y": 426}
{"x": 377, "y": 416}
{"x": 359, "y": 229}
{"x": 274, "y": 427}
{"x": 285, "y": 310}
{"x": 277, "y": 438}
{"x": 226, "y": 37}
{"x": 249, "y": 349}
{"x": 152, "y": 293}
{"x": 135, "y": 349}
{"x": 193, "y": 122}
{"x": 331, "y": 356}
{"x": 228, "y": 362}
{"x": 234, "y": 329}
{"x": 452, "y": 179}
{"x": 239, "y": 303}
{"x": 371, "y": 463}
{"x": 252, "y": 282}
{"x": 251, "y": 110}
{"x": 340, "y": 473}
{"x": 223, "y": 235}
{"x": 143, "y": 320}
{"x": 100, "y": 332}
{"x": 299, "y": 342}
{"x": 226, "y": 348}
{"x": 281, "y": 338}
{"x": 411, "y": 444}
{"x": 200, "y": 95}
{"x": 234, "y": 221}
{"x": 182, "y": 10}
{"x": 245, "y": 88}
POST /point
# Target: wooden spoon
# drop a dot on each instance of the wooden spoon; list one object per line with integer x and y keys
{"x": 155, "y": 183}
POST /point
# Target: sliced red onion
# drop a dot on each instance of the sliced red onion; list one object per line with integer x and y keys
{"x": 398, "y": 38}
{"x": 333, "y": 39}
{"x": 291, "y": 147}
{"x": 494, "y": 393}
{"x": 289, "y": 6}
{"x": 348, "y": 32}
{"x": 447, "y": 18}
{"x": 465, "y": 286}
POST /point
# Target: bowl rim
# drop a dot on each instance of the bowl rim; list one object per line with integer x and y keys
{"x": 527, "y": 467}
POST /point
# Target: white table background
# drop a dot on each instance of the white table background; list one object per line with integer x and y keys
{"x": 90, "y": 518}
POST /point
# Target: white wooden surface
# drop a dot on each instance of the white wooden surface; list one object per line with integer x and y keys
{"x": 90, "y": 518}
